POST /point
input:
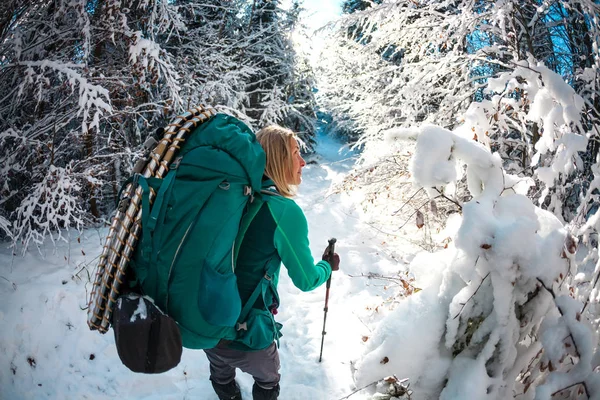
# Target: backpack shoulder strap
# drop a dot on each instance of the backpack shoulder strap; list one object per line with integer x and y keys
{"x": 266, "y": 280}
{"x": 253, "y": 208}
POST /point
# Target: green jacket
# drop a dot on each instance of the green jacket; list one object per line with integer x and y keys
{"x": 277, "y": 234}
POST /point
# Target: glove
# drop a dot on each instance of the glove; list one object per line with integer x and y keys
{"x": 334, "y": 262}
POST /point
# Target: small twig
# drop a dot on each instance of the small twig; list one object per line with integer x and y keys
{"x": 568, "y": 387}
{"x": 366, "y": 326}
{"x": 14, "y": 285}
{"x": 411, "y": 215}
{"x": 474, "y": 293}
{"x": 397, "y": 280}
{"x": 549, "y": 290}
{"x": 448, "y": 198}
{"x": 566, "y": 275}
{"x": 358, "y": 390}
{"x": 533, "y": 360}
{"x": 84, "y": 268}
{"x": 406, "y": 202}
{"x": 588, "y": 299}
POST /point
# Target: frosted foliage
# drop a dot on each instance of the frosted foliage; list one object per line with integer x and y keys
{"x": 439, "y": 146}
{"x": 420, "y": 316}
{"x": 52, "y": 208}
{"x": 580, "y": 334}
{"x": 149, "y": 57}
{"x": 93, "y": 99}
{"x": 274, "y": 107}
{"x": 547, "y": 100}
{"x": 437, "y": 155}
{"x": 506, "y": 316}
{"x": 391, "y": 77}
{"x": 424, "y": 62}
{"x": 525, "y": 140}
{"x": 5, "y": 226}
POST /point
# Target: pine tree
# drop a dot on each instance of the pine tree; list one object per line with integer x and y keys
{"x": 280, "y": 92}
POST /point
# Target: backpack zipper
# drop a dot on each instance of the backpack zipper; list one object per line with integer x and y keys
{"x": 175, "y": 259}
{"x": 233, "y": 257}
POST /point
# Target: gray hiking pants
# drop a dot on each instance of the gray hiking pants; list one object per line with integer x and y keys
{"x": 263, "y": 365}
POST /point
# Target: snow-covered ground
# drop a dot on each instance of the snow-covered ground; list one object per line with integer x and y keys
{"x": 48, "y": 352}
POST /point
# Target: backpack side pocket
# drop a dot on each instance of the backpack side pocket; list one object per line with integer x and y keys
{"x": 218, "y": 298}
{"x": 260, "y": 330}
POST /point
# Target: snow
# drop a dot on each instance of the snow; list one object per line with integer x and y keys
{"x": 417, "y": 321}
{"x": 140, "y": 312}
{"x": 470, "y": 371}
{"x": 499, "y": 250}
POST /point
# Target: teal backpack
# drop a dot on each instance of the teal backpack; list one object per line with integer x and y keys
{"x": 185, "y": 258}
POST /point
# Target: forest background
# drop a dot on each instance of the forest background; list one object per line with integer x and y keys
{"x": 83, "y": 83}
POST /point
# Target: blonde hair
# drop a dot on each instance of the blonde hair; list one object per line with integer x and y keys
{"x": 277, "y": 144}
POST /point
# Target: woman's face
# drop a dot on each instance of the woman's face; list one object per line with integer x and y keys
{"x": 297, "y": 163}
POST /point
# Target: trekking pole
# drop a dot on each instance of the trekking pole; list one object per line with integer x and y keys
{"x": 330, "y": 252}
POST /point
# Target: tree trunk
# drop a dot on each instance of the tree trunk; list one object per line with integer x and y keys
{"x": 88, "y": 142}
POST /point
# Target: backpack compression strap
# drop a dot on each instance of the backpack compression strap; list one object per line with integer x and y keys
{"x": 261, "y": 288}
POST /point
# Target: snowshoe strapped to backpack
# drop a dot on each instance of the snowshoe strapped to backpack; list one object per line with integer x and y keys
{"x": 184, "y": 233}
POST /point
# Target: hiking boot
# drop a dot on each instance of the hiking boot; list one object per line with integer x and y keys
{"x": 230, "y": 391}
{"x": 259, "y": 393}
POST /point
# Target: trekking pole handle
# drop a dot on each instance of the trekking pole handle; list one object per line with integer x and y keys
{"x": 330, "y": 253}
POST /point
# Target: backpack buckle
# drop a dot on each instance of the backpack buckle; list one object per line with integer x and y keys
{"x": 248, "y": 192}
{"x": 243, "y": 326}
{"x": 175, "y": 163}
{"x": 123, "y": 204}
{"x": 224, "y": 185}
{"x": 267, "y": 277}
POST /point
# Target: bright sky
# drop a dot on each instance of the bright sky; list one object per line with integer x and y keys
{"x": 319, "y": 12}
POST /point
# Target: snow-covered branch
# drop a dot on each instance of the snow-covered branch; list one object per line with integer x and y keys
{"x": 487, "y": 314}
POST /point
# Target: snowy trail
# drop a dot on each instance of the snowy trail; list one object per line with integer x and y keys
{"x": 47, "y": 351}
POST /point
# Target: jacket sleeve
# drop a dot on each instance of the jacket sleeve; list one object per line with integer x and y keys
{"x": 291, "y": 242}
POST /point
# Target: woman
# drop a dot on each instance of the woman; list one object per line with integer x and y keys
{"x": 277, "y": 234}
